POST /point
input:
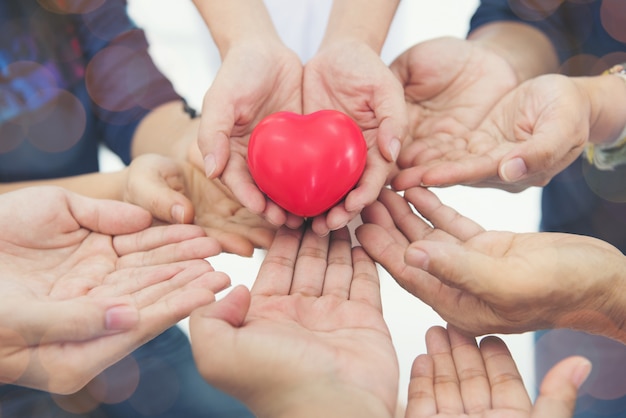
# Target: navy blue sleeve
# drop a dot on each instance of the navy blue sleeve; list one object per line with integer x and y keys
{"x": 123, "y": 82}
{"x": 568, "y": 26}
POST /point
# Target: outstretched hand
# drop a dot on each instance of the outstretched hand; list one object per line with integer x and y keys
{"x": 531, "y": 134}
{"x": 84, "y": 282}
{"x": 450, "y": 86}
{"x": 352, "y": 78}
{"x": 487, "y": 282}
{"x": 176, "y": 191}
{"x": 254, "y": 80}
{"x": 309, "y": 332}
{"x": 459, "y": 379}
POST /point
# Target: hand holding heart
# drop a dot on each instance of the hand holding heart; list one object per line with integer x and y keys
{"x": 258, "y": 79}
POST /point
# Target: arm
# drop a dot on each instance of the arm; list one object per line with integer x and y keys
{"x": 528, "y": 50}
{"x": 365, "y": 21}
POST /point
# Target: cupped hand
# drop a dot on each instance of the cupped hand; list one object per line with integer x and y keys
{"x": 450, "y": 86}
{"x": 84, "y": 282}
{"x": 311, "y": 327}
{"x": 486, "y": 282}
{"x": 177, "y": 192}
{"x": 532, "y": 134}
{"x": 350, "y": 76}
{"x": 254, "y": 80}
{"x": 459, "y": 379}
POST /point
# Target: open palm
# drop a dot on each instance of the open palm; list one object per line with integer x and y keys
{"x": 84, "y": 282}
{"x": 312, "y": 316}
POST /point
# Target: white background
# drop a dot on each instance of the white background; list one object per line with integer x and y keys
{"x": 182, "y": 47}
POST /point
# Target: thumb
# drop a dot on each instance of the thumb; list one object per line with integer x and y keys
{"x": 214, "y": 134}
{"x": 559, "y": 389}
{"x": 72, "y": 320}
{"x": 454, "y": 265}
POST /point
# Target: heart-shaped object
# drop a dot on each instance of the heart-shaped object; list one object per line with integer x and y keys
{"x": 307, "y": 163}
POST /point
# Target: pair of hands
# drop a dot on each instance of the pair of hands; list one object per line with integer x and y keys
{"x": 175, "y": 191}
{"x": 470, "y": 122}
{"x": 490, "y": 281}
{"x": 309, "y": 339}
{"x": 85, "y": 282}
{"x": 261, "y": 77}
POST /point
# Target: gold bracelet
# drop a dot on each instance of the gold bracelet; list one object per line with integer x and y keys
{"x": 607, "y": 157}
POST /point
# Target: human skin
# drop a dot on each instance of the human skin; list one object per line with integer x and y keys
{"x": 86, "y": 281}
{"x": 308, "y": 336}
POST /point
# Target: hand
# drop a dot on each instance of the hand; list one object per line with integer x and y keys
{"x": 310, "y": 334}
{"x": 254, "y": 80}
{"x": 450, "y": 86}
{"x": 531, "y": 135}
{"x": 458, "y": 379}
{"x": 84, "y": 282}
{"x": 487, "y": 282}
{"x": 176, "y": 191}
{"x": 351, "y": 77}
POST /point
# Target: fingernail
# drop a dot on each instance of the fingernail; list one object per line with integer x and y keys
{"x": 178, "y": 214}
{"x": 394, "y": 149}
{"x": 581, "y": 373}
{"x": 417, "y": 258}
{"x": 513, "y": 170}
{"x": 121, "y": 317}
{"x": 209, "y": 165}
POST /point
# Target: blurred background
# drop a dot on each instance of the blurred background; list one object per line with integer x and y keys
{"x": 182, "y": 47}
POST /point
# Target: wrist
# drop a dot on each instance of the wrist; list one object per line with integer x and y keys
{"x": 235, "y": 21}
{"x": 365, "y": 21}
{"x": 320, "y": 399}
{"x": 607, "y": 136}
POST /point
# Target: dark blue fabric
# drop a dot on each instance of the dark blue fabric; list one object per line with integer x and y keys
{"x": 581, "y": 199}
{"x": 69, "y": 82}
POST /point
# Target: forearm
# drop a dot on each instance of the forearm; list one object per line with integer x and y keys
{"x": 167, "y": 130}
{"x": 607, "y": 97}
{"x": 234, "y": 21}
{"x": 528, "y": 50}
{"x": 362, "y": 20}
{"x": 323, "y": 401}
{"x": 96, "y": 185}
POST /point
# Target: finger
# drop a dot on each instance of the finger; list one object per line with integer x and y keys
{"x": 338, "y": 274}
{"x": 507, "y": 388}
{"x": 191, "y": 249}
{"x": 155, "y": 237}
{"x": 458, "y": 266}
{"x": 404, "y": 217}
{"x": 311, "y": 263}
{"x": 378, "y": 214}
{"x": 171, "y": 277}
{"x": 161, "y": 196}
{"x": 475, "y": 388}
{"x": 212, "y": 329}
{"x": 447, "y": 385}
{"x": 277, "y": 269}
{"x": 365, "y": 282}
{"x": 73, "y": 320}
{"x": 558, "y": 391}
{"x": 237, "y": 178}
{"x": 421, "y": 401}
{"x": 337, "y": 218}
{"x": 391, "y": 112}
{"x": 372, "y": 180}
{"x": 216, "y": 125}
{"x": 108, "y": 216}
{"x": 441, "y": 216}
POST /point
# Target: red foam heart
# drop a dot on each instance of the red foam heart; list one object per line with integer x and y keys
{"x": 306, "y": 163}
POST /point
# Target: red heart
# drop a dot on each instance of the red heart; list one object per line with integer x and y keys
{"x": 306, "y": 163}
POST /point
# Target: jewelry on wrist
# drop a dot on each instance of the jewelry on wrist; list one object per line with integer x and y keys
{"x": 607, "y": 157}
